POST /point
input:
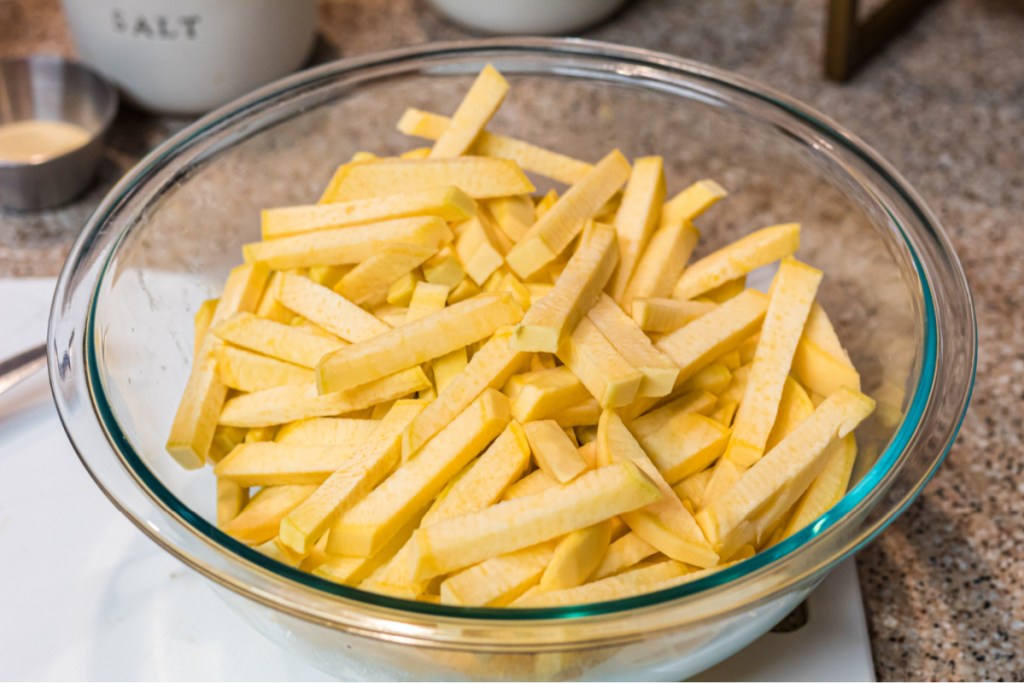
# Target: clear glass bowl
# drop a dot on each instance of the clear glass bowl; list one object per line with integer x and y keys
{"x": 167, "y": 234}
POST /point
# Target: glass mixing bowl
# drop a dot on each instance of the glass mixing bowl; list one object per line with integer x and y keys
{"x": 167, "y": 234}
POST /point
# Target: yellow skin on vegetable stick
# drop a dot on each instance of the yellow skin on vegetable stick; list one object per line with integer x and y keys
{"x": 793, "y": 291}
{"x": 284, "y": 342}
{"x": 447, "y": 203}
{"x": 479, "y": 177}
{"x": 288, "y": 404}
{"x": 552, "y": 319}
{"x": 201, "y": 324}
{"x": 697, "y": 401}
{"x": 417, "y": 341}
{"x": 820, "y": 362}
{"x": 637, "y": 217}
{"x": 629, "y": 340}
{"x": 661, "y": 263}
{"x": 367, "y": 284}
{"x": 499, "y": 580}
{"x": 782, "y": 474}
{"x": 372, "y": 521}
{"x": 622, "y": 554}
{"x": 329, "y": 310}
{"x": 447, "y": 367}
{"x": 545, "y": 203}
{"x": 247, "y": 371}
{"x": 606, "y": 374}
{"x": 795, "y": 406}
{"x": 547, "y": 392}
{"x": 666, "y": 523}
{"x": 270, "y": 308}
{"x": 511, "y": 525}
{"x": 582, "y": 414}
{"x": 476, "y": 109}
{"x": 514, "y": 215}
{"x": 532, "y": 483}
{"x": 479, "y": 257}
{"x": 343, "y": 246}
{"x": 692, "y": 202}
{"x": 489, "y": 367}
{"x": 353, "y": 570}
{"x": 196, "y": 418}
{"x": 724, "y": 291}
{"x": 691, "y": 489}
{"x": 259, "y": 520}
{"x": 553, "y": 451}
{"x": 622, "y": 585}
{"x": 557, "y": 228}
{"x": 662, "y": 316}
{"x": 368, "y": 462}
{"x": 530, "y": 157}
{"x": 427, "y": 298}
{"x": 734, "y": 260}
{"x": 400, "y": 291}
{"x": 268, "y": 463}
{"x": 576, "y": 557}
{"x": 224, "y": 440}
{"x": 231, "y": 498}
{"x": 708, "y": 337}
{"x": 326, "y": 430}
{"x": 444, "y": 268}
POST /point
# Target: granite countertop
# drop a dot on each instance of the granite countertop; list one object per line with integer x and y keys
{"x": 944, "y": 586}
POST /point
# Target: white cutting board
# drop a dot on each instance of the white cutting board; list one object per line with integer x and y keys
{"x": 84, "y": 595}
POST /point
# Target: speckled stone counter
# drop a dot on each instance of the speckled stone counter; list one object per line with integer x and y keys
{"x": 944, "y": 586}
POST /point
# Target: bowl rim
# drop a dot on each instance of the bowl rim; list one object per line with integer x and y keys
{"x": 802, "y": 542}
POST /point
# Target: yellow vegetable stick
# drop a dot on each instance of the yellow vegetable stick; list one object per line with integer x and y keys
{"x": 447, "y": 367}
{"x": 725, "y": 411}
{"x": 259, "y": 519}
{"x": 417, "y": 342}
{"x": 533, "y": 483}
{"x": 466, "y": 289}
{"x": 284, "y": 342}
{"x": 354, "y": 570}
{"x": 224, "y": 440}
{"x": 530, "y": 157}
{"x": 663, "y": 316}
{"x": 637, "y": 217}
{"x": 685, "y": 445}
{"x": 550, "y": 321}
{"x": 426, "y": 298}
{"x": 553, "y": 231}
{"x": 400, "y": 291}
{"x": 479, "y": 257}
{"x": 372, "y": 521}
{"x": 606, "y": 374}
{"x": 828, "y": 488}
{"x": 268, "y": 463}
{"x": 196, "y": 418}
{"x": 326, "y": 430}
{"x": 488, "y": 476}
{"x": 367, "y": 284}
{"x": 514, "y": 215}
{"x": 611, "y": 588}
{"x": 498, "y": 581}
{"x": 724, "y": 291}
{"x": 247, "y": 371}
{"x": 691, "y": 489}
{"x": 779, "y": 478}
{"x": 444, "y": 268}
{"x": 793, "y": 291}
{"x": 714, "y": 377}
{"x": 447, "y": 203}
{"x": 489, "y": 367}
{"x": 692, "y": 202}
{"x": 367, "y": 464}
{"x": 547, "y": 392}
{"x": 582, "y": 414}
{"x": 417, "y": 153}
{"x": 326, "y": 308}
{"x": 708, "y": 337}
{"x": 696, "y": 401}
{"x": 661, "y": 263}
{"x": 342, "y": 246}
{"x": 476, "y": 109}
{"x": 665, "y": 523}
{"x": 553, "y": 451}
{"x": 576, "y": 557}
{"x": 795, "y": 406}
{"x": 659, "y": 371}
{"x": 511, "y": 525}
{"x": 201, "y": 324}
{"x": 231, "y": 498}
{"x": 288, "y": 404}
{"x": 545, "y": 203}
{"x": 479, "y": 177}
{"x": 748, "y": 253}
{"x": 272, "y": 309}
{"x": 623, "y": 554}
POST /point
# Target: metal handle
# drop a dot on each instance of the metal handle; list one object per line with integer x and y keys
{"x": 20, "y": 367}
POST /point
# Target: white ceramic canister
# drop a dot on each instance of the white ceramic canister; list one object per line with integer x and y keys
{"x": 537, "y": 17}
{"x": 189, "y": 56}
